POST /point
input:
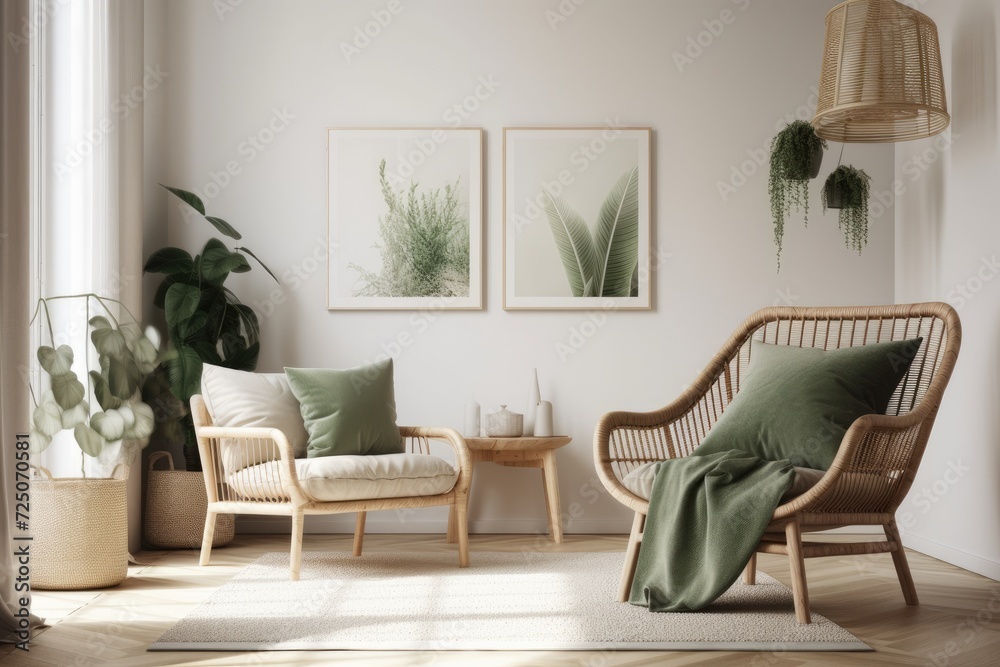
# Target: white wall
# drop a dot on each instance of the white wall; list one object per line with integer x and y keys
{"x": 228, "y": 72}
{"x": 947, "y": 243}
{"x": 154, "y": 236}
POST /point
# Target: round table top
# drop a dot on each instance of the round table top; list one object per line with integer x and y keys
{"x": 523, "y": 442}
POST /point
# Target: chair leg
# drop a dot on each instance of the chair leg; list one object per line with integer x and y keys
{"x": 902, "y": 567}
{"x": 800, "y": 592}
{"x": 750, "y": 571}
{"x": 207, "y": 537}
{"x": 462, "y": 529}
{"x": 295, "y": 555}
{"x": 450, "y": 536}
{"x": 631, "y": 557}
{"x": 359, "y": 533}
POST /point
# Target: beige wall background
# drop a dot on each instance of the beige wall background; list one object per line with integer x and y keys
{"x": 715, "y": 79}
{"x": 947, "y": 246}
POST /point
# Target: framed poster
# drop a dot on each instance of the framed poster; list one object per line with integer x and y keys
{"x": 405, "y": 219}
{"x": 577, "y": 212}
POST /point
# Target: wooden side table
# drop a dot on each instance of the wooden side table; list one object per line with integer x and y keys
{"x": 524, "y": 452}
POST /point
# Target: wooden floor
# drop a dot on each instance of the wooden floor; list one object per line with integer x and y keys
{"x": 959, "y": 614}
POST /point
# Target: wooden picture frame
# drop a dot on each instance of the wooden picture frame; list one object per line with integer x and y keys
{"x": 577, "y": 216}
{"x": 379, "y": 181}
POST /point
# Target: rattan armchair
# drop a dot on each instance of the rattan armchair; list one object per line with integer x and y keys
{"x": 875, "y": 464}
{"x": 277, "y": 490}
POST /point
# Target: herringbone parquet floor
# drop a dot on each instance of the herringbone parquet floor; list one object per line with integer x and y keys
{"x": 957, "y": 623}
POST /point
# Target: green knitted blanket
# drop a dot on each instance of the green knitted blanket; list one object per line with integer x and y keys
{"x": 706, "y": 517}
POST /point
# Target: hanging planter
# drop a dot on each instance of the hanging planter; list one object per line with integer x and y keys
{"x": 796, "y": 156}
{"x": 847, "y": 189}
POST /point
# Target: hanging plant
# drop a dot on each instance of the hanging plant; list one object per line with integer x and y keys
{"x": 847, "y": 189}
{"x": 796, "y": 155}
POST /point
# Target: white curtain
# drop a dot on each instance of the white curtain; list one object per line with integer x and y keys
{"x": 91, "y": 85}
{"x": 15, "y": 197}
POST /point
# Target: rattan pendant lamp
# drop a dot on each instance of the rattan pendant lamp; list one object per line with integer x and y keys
{"x": 882, "y": 79}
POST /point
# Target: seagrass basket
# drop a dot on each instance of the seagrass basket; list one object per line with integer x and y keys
{"x": 176, "y": 505}
{"x": 80, "y": 532}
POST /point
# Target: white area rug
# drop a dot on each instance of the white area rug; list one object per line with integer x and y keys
{"x": 504, "y": 601}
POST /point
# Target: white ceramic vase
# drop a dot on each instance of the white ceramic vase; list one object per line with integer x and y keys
{"x": 543, "y": 420}
{"x": 472, "y": 428}
{"x": 534, "y": 397}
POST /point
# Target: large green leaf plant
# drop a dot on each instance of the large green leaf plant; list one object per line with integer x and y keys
{"x": 125, "y": 356}
{"x": 206, "y": 322}
{"x": 605, "y": 261}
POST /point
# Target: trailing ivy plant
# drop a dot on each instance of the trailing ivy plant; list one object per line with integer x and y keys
{"x": 125, "y": 356}
{"x": 794, "y": 153}
{"x": 206, "y": 322}
{"x": 848, "y": 189}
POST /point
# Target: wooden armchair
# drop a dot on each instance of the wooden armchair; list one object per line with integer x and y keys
{"x": 275, "y": 488}
{"x": 875, "y": 464}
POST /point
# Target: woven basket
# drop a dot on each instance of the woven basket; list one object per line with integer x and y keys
{"x": 176, "y": 505}
{"x": 80, "y": 532}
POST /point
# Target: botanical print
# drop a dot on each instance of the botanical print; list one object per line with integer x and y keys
{"x": 424, "y": 242}
{"x": 603, "y": 261}
{"x": 576, "y": 218}
{"x": 405, "y": 219}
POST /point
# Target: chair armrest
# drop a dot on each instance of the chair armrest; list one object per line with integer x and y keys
{"x": 656, "y": 445}
{"x": 874, "y": 444}
{"x": 462, "y": 456}
{"x": 209, "y": 443}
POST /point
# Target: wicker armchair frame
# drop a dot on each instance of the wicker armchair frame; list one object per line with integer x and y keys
{"x": 282, "y": 495}
{"x": 875, "y": 464}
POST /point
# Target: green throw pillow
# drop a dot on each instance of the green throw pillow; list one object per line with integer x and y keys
{"x": 797, "y": 403}
{"x": 349, "y": 411}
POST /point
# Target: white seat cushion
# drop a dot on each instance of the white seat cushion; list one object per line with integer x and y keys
{"x": 333, "y": 478}
{"x": 640, "y": 481}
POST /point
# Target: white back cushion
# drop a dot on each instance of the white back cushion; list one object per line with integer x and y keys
{"x": 238, "y": 398}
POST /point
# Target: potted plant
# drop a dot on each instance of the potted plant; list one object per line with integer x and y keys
{"x": 206, "y": 322}
{"x": 80, "y": 525}
{"x": 796, "y": 156}
{"x": 848, "y": 189}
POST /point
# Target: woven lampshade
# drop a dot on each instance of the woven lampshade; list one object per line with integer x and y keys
{"x": 882, "y": 79}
